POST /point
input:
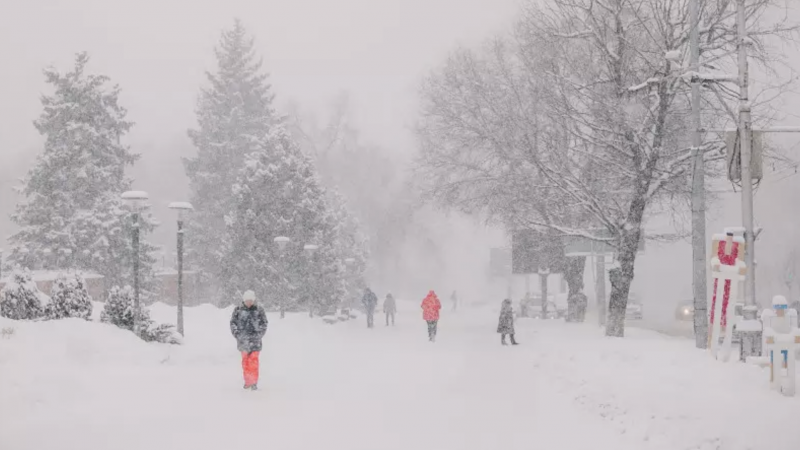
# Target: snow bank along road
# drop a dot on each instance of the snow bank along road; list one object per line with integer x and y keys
{"x": 77, "y": 385}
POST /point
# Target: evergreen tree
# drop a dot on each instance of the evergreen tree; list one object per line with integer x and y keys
{"x": 279, "y": 194}
{"x": 72, "y": 194}
{"x": 21, "y": 298}
{"x": 69, "y": 298}
{"x": 118, "y": 309}
{"x": 234, "y": 114}
{"x": 350, "y": 243}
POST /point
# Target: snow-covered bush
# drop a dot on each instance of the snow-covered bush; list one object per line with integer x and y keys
{"x": 164, "y": 332}
{"x": 118, "y": 310}
{"x": 69, "y": 298}
{"x": 21, "y": 298}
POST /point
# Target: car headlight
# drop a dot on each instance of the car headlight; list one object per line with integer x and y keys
{"x": 686, "y": 311}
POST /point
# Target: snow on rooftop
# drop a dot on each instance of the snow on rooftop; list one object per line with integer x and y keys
{"x": 135, "y": 195}
{"x": 181, "y": 205}
{"x": 51, "y": 275}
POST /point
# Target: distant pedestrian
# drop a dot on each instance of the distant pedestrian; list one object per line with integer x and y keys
{"x": 454, "y": 300}
{"x": 370, "y": 301}
{"x": 430, "y": 313}
{"x": 506, "y": 323}
{"x": 248, "y": 326}
{"x": 389, "y": 308}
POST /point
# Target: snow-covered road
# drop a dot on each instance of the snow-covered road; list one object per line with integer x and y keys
{"x": 71, "y": 384}
{"x": 323, "y": 387}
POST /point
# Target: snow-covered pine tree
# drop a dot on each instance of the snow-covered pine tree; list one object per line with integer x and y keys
{"x": 351, "y": 242}
{"x": 279, "y": 194}
{"x": 118, "y": 309}
{"x": 69, "y": 298}
{"x": 166, "y": 333}
{"x": 234, "y": 114}
{"x": 21, "y": 298}
{"x": 72, "y": 193}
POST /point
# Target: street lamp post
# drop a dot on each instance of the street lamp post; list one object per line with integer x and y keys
{"x": 182, "y": 208}
{"x": 47, "y": 254}
{"x": 350, "y": 263}
{"x": 310, "y": 249}
{"x": 137, "y": 200}
{"x": 67, "y": 257}
{"x": 26, "y": 259}
{"x": 282, "y": 241}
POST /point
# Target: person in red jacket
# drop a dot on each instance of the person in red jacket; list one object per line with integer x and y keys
{"x": 430, "y": 313}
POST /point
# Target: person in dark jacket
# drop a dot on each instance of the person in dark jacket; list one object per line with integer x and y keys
{"x": 389, "y": 308}
{"x": 248, "y": 326}
{"x": 370, "y": 301}
{"x": 506, "y": 323}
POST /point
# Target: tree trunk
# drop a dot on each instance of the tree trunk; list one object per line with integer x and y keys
{"x": 573, "y": 275}
{"x": 621, "y": 278}
{"x": 543, "y": 284}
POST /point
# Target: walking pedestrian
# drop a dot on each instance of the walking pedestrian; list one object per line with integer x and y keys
{"x": 506, "y": 323}
{"x": 370, "y": 301}
{"x": 248, "y": 326}
{"x": 430, "y": 313}
{"x": 389, "y": 308}
{"x": 454, "y": 300}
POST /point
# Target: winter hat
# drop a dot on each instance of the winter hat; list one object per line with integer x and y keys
{"x": 249, "y": 295}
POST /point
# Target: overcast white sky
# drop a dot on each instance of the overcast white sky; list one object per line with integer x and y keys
{"x": 157, "y": 51}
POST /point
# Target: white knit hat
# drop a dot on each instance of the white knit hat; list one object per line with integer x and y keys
{"x": 249, "y": 295}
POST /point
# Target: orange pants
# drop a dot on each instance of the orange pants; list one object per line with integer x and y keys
{"x": 250, "y": 368}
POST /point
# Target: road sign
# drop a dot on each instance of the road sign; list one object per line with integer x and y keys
{"x": 532, "y": 250}
{"x": 734, "y": 155}
{"x": 500, "y": 261}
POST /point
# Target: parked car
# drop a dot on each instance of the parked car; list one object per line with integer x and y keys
{"x": 634, "y": 308}
{"x": 532, "y": 307}
{"x": 562, "y": 305}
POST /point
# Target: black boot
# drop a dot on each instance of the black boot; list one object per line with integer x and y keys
{"x": 254, "y": 387}
{"x": 513, "y": 341}
{"x": 503, "y": 339}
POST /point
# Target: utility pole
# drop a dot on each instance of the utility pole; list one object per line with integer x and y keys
{"x": 746, "y": 152}
{"x": 750, "y": 309}
{"x": 750, "y": 343}
{"x": 699, "y": 277}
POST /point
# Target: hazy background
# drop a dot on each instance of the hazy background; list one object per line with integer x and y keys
{"x": 376, "y": 50}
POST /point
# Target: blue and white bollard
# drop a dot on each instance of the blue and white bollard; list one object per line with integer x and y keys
{"x": 781, "y": 338}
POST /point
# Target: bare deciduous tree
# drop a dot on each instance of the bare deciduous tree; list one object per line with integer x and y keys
{"x": 579, "y": 122}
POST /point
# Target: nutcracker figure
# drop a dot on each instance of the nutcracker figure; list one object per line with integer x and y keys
{"x": 727, "y": 262}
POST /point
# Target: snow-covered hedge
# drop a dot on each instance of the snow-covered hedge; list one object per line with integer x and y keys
{"x": 69, "y": 298}
{"x": 21, "y": 298}
{"x": 118, "y": 310}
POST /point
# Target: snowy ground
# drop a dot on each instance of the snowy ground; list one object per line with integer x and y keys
{"x": 71, "y": 384}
